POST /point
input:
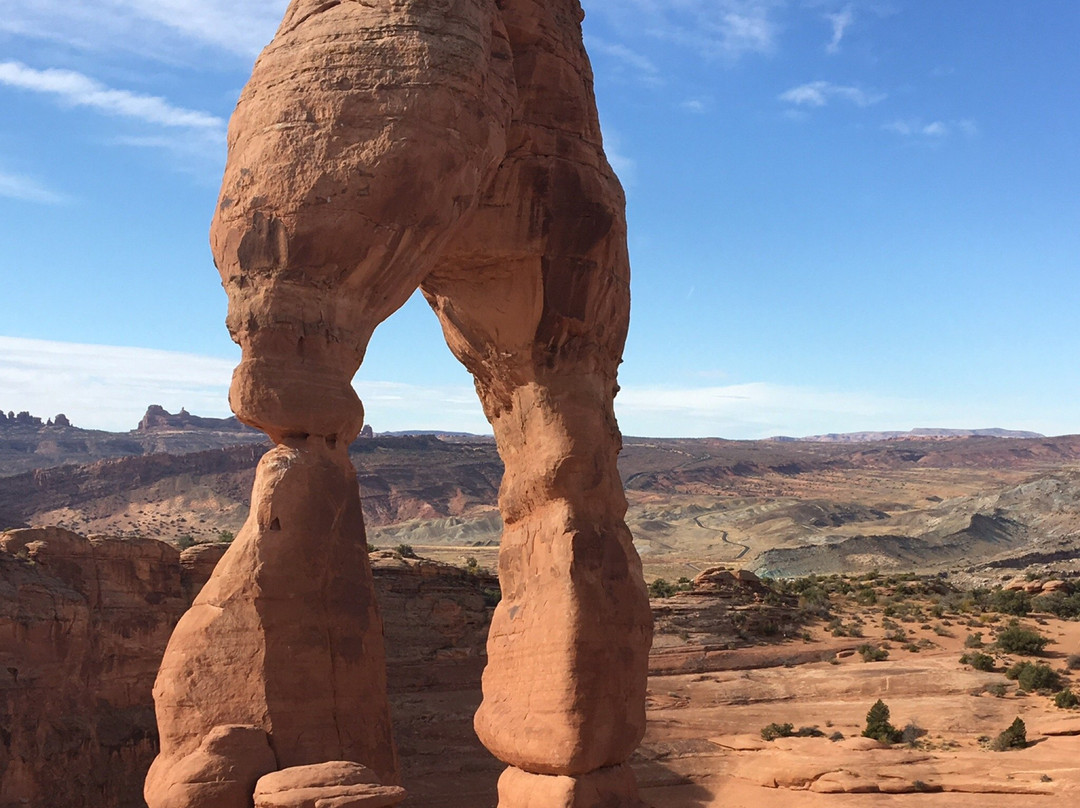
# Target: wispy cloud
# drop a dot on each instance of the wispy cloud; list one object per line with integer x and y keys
{"x": 644, "y": 68}
{"x": 80, "y": 90}
{"x": 753, "y": 410}
{"x": 840, "y": 22}
{"x": 26, "y": 189}
{"x": 934, "y": 130}
{"x": 820, "y": 93}
{"x": 109, "y": 387}
{"x": 695, "y": 105}
{"x": 161, "y": 28}
{"x": 729, "y": 29}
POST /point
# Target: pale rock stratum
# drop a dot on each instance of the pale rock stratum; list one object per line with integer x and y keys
{"x": 453, "y": 146}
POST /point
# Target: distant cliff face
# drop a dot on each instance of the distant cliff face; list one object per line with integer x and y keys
{"x": 158, "y": 418}
{"x": 84, "y": 623}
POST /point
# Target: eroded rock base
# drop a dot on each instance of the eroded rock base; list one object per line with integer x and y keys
{"x": 613, "y": 787}
{"x": 334, "y": 784}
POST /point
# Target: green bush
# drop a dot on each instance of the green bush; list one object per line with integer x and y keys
{"x": 1015, "y": 639}
{"x": 1034, "y": 678}
{"x": 878, "y": 726}
{"x": 1010, "y": 601}
{"x": 405, "y": 551}
{"x": 660, "y": 588}
{"x": 1066, "y": 699}
{"x": 1015, "y": 737}
{"x": 773, "y": 731}
{"x": 871, "y": 653}
{"x": 1059, "y": 604}
{"x": 974, "y": 640}
{"x": 979, "y": 661}
{"x": 185, "y": 541}
{"x": 1072, "y": 662}
{"x": 226, "y": 536}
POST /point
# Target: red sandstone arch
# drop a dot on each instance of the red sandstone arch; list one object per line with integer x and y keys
{"x": 381, "y": 146}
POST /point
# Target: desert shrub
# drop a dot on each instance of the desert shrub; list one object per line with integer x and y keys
{"x": 1034, "y": 678}
{"x": 997, "y": 689}
{"x": 185, "y": 541}
{"x": 815, "y": 601}
{"x": 911, "y": 733}
{"x": 405, "y": 551}
{"x": 871, "y": 653}
{"x": 1015, "y": 737}
{"x": 1009, "y": 601}
{"x": 226, "y": 536}
{"x": 809, "y": 732}
{"x": 941, "y": 631}
{"x": 491, "y": 597}
{"x": 1059, "y": 604}
{"x": 773, "y": 731}
{"x": 836, "y": 736}
{"x": 661, "y": 589}
{"x": 1015, "y": 639}
{"x": 1066, "y": 699}
{"x": 974, "y": 640}
{"x": 979, "y": 661}
{"x": 878, "y": 726}
{"x": 866, "y": 596}
{"x": 1072, "y": 662}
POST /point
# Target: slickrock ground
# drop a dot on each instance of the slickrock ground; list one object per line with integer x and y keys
{"x": 704, "y": 748}
{"x": 83, "y": 624}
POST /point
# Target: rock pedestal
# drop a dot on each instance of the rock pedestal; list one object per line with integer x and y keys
{"x": 451, "y": 146}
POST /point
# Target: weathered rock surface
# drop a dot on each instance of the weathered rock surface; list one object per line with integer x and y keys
{"x": 452, "y": 147}
{"x": 334, "y": 784}
{"x": 284, "y": 636}
{"x": 84, "y": 624}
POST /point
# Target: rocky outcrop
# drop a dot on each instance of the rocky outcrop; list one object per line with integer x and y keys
{"x": 84, "y": 623}
{"x": 158, "y": 418}
{"x": 455, "y": 148}
{"x": 82, "y": 626}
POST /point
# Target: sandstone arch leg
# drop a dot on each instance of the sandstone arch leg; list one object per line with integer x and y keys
{"x": 365, "y": 132}
{"x": 533, "y": 296}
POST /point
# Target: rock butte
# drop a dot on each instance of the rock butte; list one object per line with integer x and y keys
{"x": 378, "y": 148}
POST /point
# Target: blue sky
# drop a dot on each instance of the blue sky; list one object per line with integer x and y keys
{"x": 843, "y": 215}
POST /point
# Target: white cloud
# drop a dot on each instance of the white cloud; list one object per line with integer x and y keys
{"x": 820, "y": 93}
{"x": 109, "y": 387}
{"x": 164, "y": 29}
{"x": 26, "y": 189}
{"x": 752, "y": 410}
{"x": 79, "y": 90}
{"x": 727, "y": 29}
{"x": 934, "y": 130}
{"x": 695, "y": 105}
{"x": 646, "y": 70}
{"x": 840, "y": 22}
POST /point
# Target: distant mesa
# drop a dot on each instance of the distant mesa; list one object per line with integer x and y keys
{"x": 158, "y": 419}
{"x": 924, "y": 432}
{"x": 24, "y": 419}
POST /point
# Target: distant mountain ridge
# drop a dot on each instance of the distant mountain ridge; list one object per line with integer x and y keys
{"x": 922, "y": 432}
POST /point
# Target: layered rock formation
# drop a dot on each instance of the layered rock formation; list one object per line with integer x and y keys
{"x": 82, "y": 627}
{"x": 378, "y": 148}
{"x": 84, "y": 623}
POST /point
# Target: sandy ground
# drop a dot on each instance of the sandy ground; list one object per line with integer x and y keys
{"x": 703, "y": 746}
